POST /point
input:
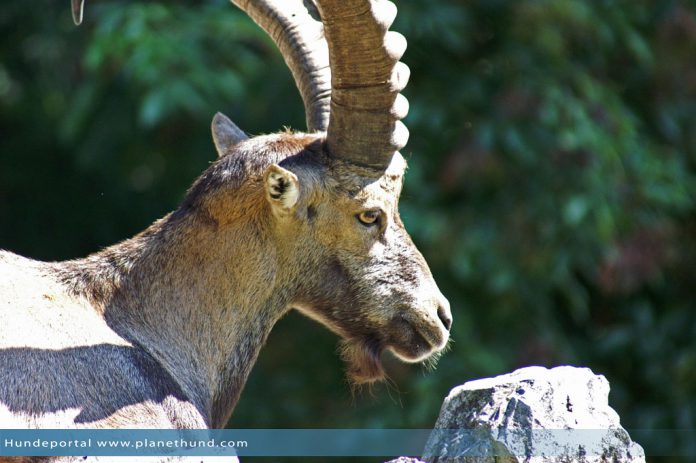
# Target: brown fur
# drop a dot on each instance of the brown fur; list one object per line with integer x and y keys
{"x": 162, "y": 330}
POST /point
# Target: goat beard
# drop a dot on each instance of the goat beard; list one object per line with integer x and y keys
{"x": 362, "y": 357}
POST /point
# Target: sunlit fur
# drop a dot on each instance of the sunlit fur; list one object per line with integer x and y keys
{"x": 162, "y": 330}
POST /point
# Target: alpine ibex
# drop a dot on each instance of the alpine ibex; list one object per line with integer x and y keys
{"x": 161, "y": 330}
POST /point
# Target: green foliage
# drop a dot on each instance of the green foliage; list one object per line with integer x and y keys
{"x": 552, "y": 189}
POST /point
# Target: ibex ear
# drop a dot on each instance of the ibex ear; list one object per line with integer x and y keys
{"x": 225, "y": 133}
{"x": 282, "y": 188}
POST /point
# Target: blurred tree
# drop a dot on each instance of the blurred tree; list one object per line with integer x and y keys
{"x": 551, "y": 188}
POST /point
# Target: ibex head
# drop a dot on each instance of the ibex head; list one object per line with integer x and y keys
{"x": 329, "y": 198}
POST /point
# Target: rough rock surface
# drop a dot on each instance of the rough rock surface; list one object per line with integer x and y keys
{"x": 534, "y": 415}
{"x": 406, "y": 460}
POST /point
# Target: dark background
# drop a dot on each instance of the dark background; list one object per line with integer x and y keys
{"x": 551, "y": 189}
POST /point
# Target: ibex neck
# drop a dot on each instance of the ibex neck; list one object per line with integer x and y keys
{"x": 201, "y": 298}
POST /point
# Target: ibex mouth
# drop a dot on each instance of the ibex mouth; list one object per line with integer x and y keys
{"x": 415, "y": 341}
{"x": 409, "y": 341}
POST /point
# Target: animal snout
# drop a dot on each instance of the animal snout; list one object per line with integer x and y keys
{"x": 418, "y": 331}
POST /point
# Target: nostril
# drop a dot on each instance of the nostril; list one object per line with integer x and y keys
{"x": 445, "y": 316}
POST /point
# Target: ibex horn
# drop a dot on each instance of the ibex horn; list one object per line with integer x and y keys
{"x": 295, "y": 28}
{"x": 356, "y": 99}
{"x": 78, "y": 7}
{"x": 366, "y": 106}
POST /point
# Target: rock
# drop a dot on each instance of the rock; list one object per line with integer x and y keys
{"x": 405, "y": 460}
{"x": 535, "y": 415}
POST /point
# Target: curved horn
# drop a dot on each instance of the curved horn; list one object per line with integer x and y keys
{"x": 300, "y": 38}
{"x": 294, "y": 27}
{"x": 77, "y": 6}
{"x": 364, "y": 126}
{"x": 360, "y": 106}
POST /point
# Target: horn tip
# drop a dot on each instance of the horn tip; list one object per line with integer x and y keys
{"x": 78, "y": 7}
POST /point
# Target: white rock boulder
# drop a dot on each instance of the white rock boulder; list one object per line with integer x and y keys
{"x": 534, "y": 415}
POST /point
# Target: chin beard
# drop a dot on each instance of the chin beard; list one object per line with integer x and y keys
{"x": 362, "y": 357}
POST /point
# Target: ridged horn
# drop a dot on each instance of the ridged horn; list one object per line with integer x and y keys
{"x": 366, "y": 106}
{"x": 298, "y": 33}
{"x": 295, "y": 27}
{"x": 346, "y": 67}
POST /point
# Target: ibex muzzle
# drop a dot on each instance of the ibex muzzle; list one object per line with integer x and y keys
{"x": 310, "y": 221}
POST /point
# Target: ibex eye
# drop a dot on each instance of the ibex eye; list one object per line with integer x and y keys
{"x": 369, "y": 217}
